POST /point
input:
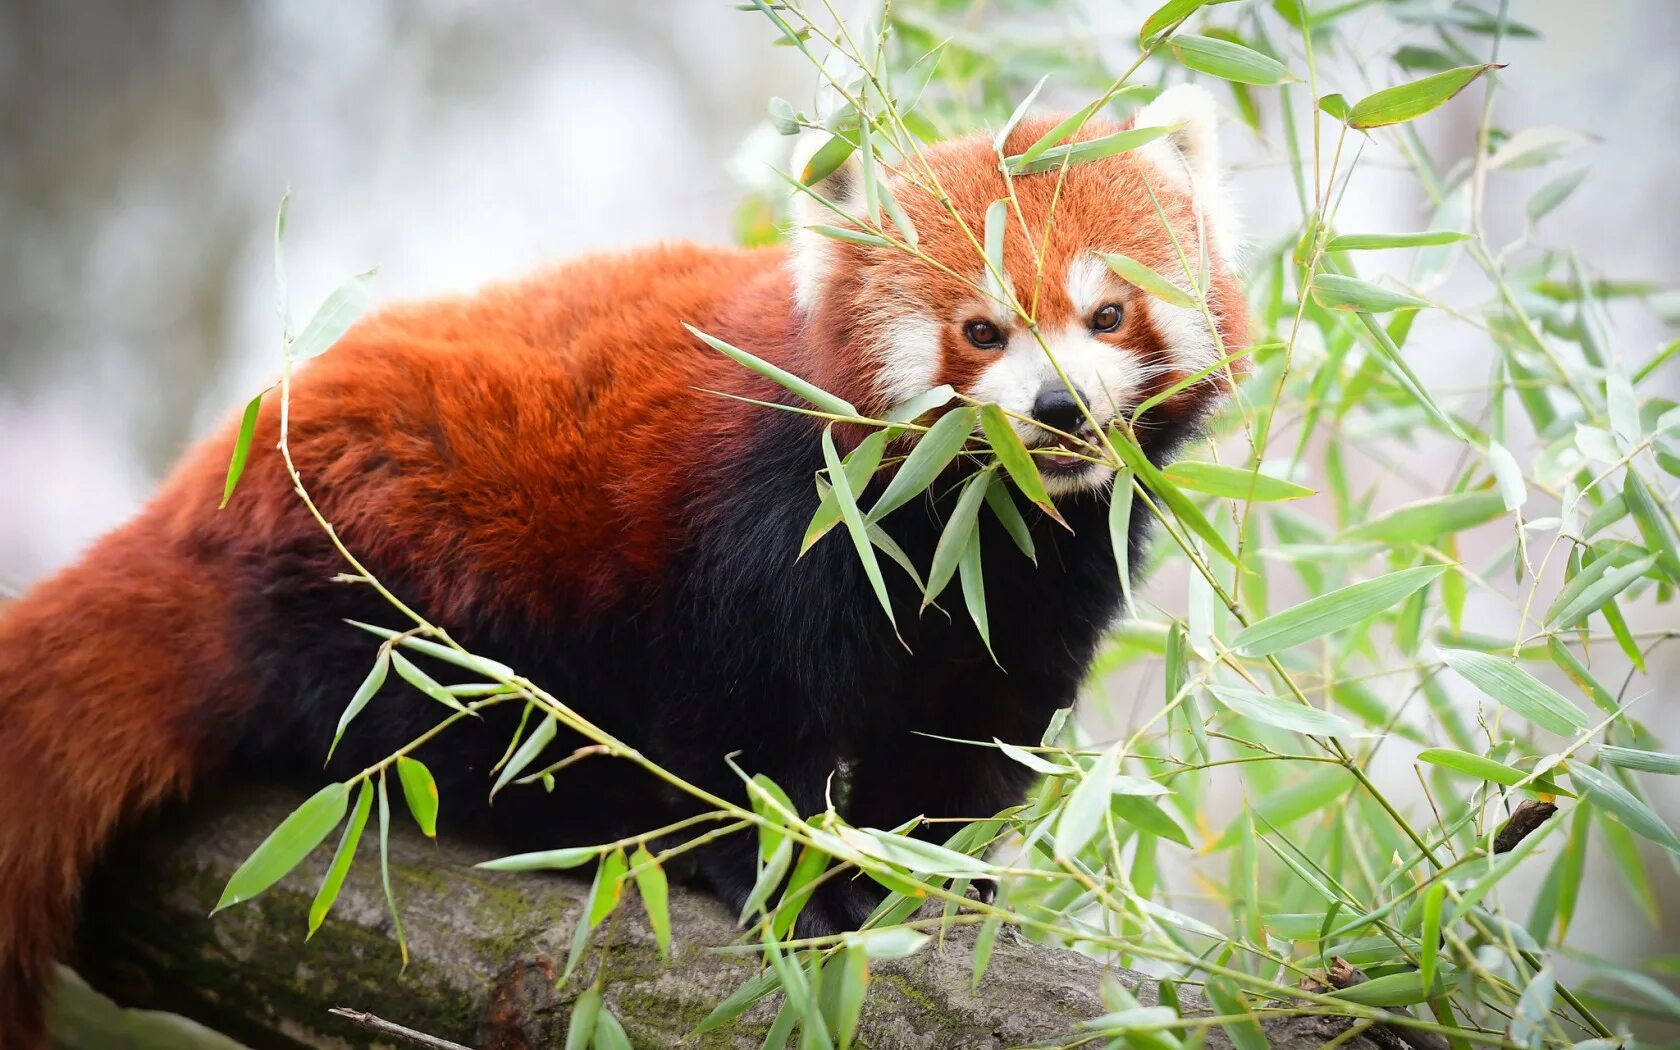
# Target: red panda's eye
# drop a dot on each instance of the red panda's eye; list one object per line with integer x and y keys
{"x": 1107, "y": 318}
{"x": 983, "y": 334}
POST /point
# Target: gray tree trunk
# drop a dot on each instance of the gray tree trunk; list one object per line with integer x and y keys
{"x": 486, "y": 950}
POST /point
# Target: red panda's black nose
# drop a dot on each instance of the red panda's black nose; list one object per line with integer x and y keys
{"x": 1056, "y": 408}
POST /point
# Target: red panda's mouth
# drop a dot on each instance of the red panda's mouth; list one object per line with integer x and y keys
{"x": 1064, "y": 455}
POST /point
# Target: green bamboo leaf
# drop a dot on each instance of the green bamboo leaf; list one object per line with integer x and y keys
{"x": 446, "y": 653}
{"x": 385, "y": 869}
{"x": 923, "y": 858}
{"x": 1426, "y": 521}
{"x": 1572, "y": 865}
{"x": 527, "y": 753}
{"x": 1082, "y": 815}
{"x": 972, "y": 577}
{"x": 1236, "y": 483}
{"x": 334, "y": 317}
{"x": 860, "y": 464}
{"x": 1283, "y": 714}
{"x": 1165, "y": 17}
{"x": 1337, "y": 610}
{"x": 241, "y": 447}
{"x": 333, "y": 881}
{"x": 1395, "y": 989}
{"x": 1553, "y": 193}
{"x": 1429, "y": 941}
{"x": 1067, "y": 126}
{"x": 656, "y": 896}
{"x": 364, "y": 693}
{"x": 896, "y": 212}
{"x": 586, "y": 1011}
{"x": 1658, "y": 540}
{"x": 933, "y": 452}
{"x": 286, "y": 846}
{"x": 827, "y": 160}
{"x": 1404, "y": 102}
{"x": 424, "y": 682}
{"x": 1009, "y": 515}
{"x": 983, "y": 945}
{"x": 1487, "y": 769}
{"x": 1015, "y": 458}
{"x": 841, "y": 233}
{"x": 1644, "y": 761}
{"x": 1518, "y": 690}
{"x": 1015, "y": 118}
{"x": 810, "y": 392}
{"x": 1333, "y": 291}
{"x": 1355, "y": 242}
{"x": 1629, "y": 863}
{"x": 1147, "y": 816}
{"x": 953, "y": 539}
{"x": 1122, "y": 501}
{"x": 1076, "y": 153}
{"x": 853, "y": 981}
{"x": 1229, "y": 1001}
{"x": 898, "y": 942}
{"x": 1607, "y": 793}
{"x": 1133, "y": 272}
{"x": 1228, "y": 60}
{"x": 544, "y": 860}
{"x": 997, "y": 222}
{"x": 853, "y": 518}
{"x": 610, "y": 1033}
{"x": 421, "y": 793}
{"x": 1534, "y": 1010}
{"x": 1180, "y": 505}
{"x": 1570, "y": 665}
{"x": 609, "y": 887}
{"x": 1592, "y": 587}
{"x": 923, "y": 403}
{"x": 1334, "y": 106}
{"x": 739, "y": 1001}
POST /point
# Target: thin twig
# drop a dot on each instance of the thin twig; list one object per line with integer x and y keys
{"x": 408, "y": 1035}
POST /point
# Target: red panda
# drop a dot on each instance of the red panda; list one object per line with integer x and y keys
{"x": 546, "y": 470}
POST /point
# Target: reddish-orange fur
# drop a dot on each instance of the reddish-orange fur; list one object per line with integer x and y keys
{"x": 516, "y": 452}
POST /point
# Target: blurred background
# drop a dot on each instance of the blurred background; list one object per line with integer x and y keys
{"x": 144, "y": 148}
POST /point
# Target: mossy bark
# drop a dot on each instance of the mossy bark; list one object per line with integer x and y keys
{"x": 486, "y": 951}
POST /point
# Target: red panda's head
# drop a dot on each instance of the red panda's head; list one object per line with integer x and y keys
{"x": 887, "y": 325}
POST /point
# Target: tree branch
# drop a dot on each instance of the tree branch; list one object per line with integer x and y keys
{"x": 487, "y": 949}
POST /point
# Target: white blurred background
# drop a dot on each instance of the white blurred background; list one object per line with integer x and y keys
{"x": 144, "y": 148}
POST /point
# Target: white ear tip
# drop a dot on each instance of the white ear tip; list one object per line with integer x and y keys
{"x": 1188, "y": 104}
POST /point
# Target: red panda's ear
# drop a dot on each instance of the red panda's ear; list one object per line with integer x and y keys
{"x": 825, "y": 201}
{"x": 1189, "y": 157}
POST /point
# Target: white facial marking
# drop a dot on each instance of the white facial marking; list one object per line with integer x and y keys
{"x": 908, "y": 357}
{"x": 1090, "y": 284}
{"x": 1108, "y": 378}
{"x": 1189, "y": 160}
{"x": 1185, "y": 331}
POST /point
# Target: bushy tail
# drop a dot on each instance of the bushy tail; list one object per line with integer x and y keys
{"x": 113, "y": 677}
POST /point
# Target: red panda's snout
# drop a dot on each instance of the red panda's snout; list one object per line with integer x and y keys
{"x": 1059, "y": 339}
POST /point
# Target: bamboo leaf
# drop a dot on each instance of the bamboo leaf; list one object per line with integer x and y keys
{"x": 385, "y": 869}
{"x": 1404, "y": 102}
{"x": 1165, "y": 17}
{"x": 1015, "y": 458}
{"x": 1644, "y": 761}
{"x": 1282, "y": 714}
{"x": 1086, "y": 806}
{"x": 953, "y": 539}
{"x": 365, "y": 692}
{"x": 333, "y": 881}
{"x": 241, "y": 447}
{"x": 1009, "y": 515}
{"x": 655, "y": 889}
{"x": 1238, "y": 483}
{"x": 1228, "y": 60}
{"x": 1605, "y": 792}
{"x": 809, "y": 391}
{"x": 1337, "y": 610}
{"x": 421, "y": 793}
{"x": 1426, "y": 521}
{"x": 1077, "y": 153}
{"x": 1354, "y": 242}
{"x": 286, "y": 846}
{"x": 528, "y": 751}
{"x": 1594, "y": 586}
{"x": 853, "y": 518}
{"x": 1147, "y": 816}
{"x": 1517, "y": 690}
{"x": 1334, "y": 291}
{"x": 933, "y": 452}
{"x": 1133, "y": 272}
